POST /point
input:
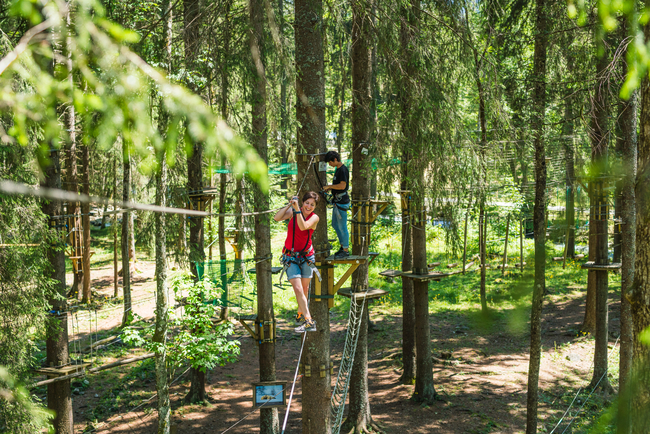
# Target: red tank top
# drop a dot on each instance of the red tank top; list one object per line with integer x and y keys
{"x": 302, "y": 240}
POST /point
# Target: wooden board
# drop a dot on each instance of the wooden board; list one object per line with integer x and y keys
{"x": 390, "y": 273}
{"x": 592, "y": 266}
{"x": 349, "y": 260}
{"x": 428, "y": 276}
{"x": 371, "y": 294}
{"x": 63, "y": 370}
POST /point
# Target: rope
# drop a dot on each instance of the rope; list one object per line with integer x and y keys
{"x": 253, "y": 411}
{"x": 295, "y": 375}
{"x": 293, "y": 385}
{"x": 16, "y": 188}
{"x": 578, "y": 393}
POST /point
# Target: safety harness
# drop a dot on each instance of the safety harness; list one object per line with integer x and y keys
{"x": 297, "y": 257}
{"x": 331, "y": 198}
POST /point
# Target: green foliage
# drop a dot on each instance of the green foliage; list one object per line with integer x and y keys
{"x": 195, "y": 339}
{"x": 199, "y": 341}
{"x": 638, "y": 52}
{"x": 18, "y": 413}
{"x": 111, "y": 91}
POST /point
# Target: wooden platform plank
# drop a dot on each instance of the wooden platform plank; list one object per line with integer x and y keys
{"x": 51, "y": 371}
{"x": 590, "y": 265}
{"x": 372, "y": 293}
{"x": 349, "y": 260}
{"x": 428, "y": 276}
{"x": 390, "y": 273}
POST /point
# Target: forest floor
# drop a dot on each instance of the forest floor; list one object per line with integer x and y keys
{"x": 482, "y": 389}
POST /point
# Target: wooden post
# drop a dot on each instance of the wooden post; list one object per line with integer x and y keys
{"x": 505, "y": 249}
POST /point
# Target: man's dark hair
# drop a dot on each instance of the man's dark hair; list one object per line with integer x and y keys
{"x": 331, "y": 156}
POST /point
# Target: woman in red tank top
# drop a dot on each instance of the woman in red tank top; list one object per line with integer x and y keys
{"x": 298, "y": 252}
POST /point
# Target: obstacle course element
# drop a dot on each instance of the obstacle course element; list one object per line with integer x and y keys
{"x": 340, "y": 391}
{"x": 263, "y": 332}
{"x": 591, "y": 265}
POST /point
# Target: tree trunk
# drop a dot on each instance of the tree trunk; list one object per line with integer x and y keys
{"x": 71, "y": 181}
{"x": 269, "y": 423}
{"x": 539, "y": 107}
{"x": 85, "y": 223}
{"x": 310, "y": 116}
{"x": 628, "y": 124}
{"x": 162, "y": 296}
{"x": 359, "y": 417}
{"x": 221, "y": 223}
{"x": 640, "y": 291}
{"x": 424, "y": 389}
{"x": 162, "y": 289}
{"x": 191, "y": 20}
{"x": 284, "y": 118}
{"x": 569, "y": 145}
{"x": 409, "y": 132}
{"x": 58, "y": 394}
{"x": 482, "y": 223}
{"x": 126, "y": 235}
{"x": 589, "y": 321}
{"x": 599, "y": 136}
{"x": 115, "y": 272}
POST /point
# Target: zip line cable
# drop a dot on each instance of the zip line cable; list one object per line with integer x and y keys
{"x": 16, "y": 188}
{"x": 578, "y": 393}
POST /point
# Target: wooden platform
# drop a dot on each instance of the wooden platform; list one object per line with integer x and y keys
{"x": 274, "y": 270}
{"x": 390, "y": 273}
{"x": 592, "y": 266}
{"x": 372, "y": 293}
{"x": 349, "y": 260}
{"x": 53, "y": 372}
{"x": 429, "y": 276}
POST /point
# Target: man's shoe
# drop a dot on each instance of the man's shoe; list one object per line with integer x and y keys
{"x": 339, "y": 251}
{"x": 308, "y": 326}
{"x": 299, "y": 318}
{"x": 342, "y": 254}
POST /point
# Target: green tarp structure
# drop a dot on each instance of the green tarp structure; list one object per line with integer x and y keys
{"x": 292, "y": 168}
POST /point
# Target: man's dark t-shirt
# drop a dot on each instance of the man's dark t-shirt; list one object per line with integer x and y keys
{"x": 341, "y": 174}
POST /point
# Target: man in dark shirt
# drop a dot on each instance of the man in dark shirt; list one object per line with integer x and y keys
{"x": 339, "y": 187}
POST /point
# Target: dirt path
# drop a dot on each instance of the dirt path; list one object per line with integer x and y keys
{"x": 482, "y": 390}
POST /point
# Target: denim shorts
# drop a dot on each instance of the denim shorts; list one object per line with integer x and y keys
{"x": 303, "y": 270}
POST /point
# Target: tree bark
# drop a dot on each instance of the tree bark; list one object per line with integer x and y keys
{"x": 539, "y": 106}
{"x": 359, "y": 417}
{"x": 71, "y": 180}
{"x": 599, "y": 135}
{"x": 310, "y": 116}
{"x": 58, "y": 394}
{"x": 628, "y": 125}
{"x": 162, "y": 289}
{"x": 640, "y": 291}
{"x": 569, "y": 156}
{"x": 115, "y": 272}
{"x": 191, "y": 21}
{"x": 408, "y": 23}
{"x": 269, "y": 423}
{"x": 126, "y": 235}
{"x": 424, "y": 388}
{"x": 85, "y": 223}
{"x": 221, "y": 223}
{"x": 162, "y": 301}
